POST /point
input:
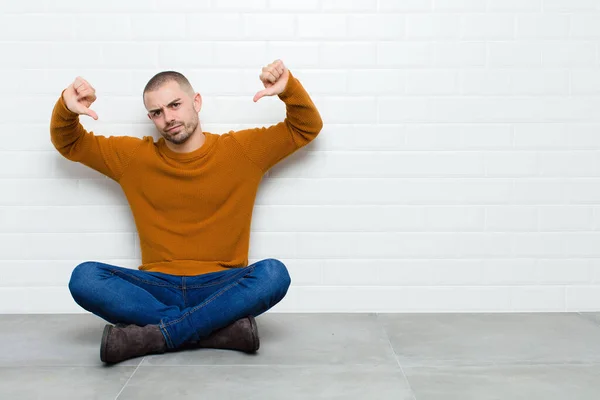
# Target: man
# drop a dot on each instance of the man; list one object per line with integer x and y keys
{"x": 192, "y": 195}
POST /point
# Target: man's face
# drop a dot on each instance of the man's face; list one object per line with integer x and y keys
{"x": 173, "y": 111}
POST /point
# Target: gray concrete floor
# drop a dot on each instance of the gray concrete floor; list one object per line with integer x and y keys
{"x": 319, "y": 356}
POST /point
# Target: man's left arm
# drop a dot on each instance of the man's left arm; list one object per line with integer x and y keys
{"x": 265, "y": 147}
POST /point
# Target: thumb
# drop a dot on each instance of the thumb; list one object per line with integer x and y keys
{"x": 91, "y": 113}
{"x": 264, "y": 92}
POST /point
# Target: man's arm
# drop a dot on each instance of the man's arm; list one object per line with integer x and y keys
{"x": 109, "y": 156}
{"x": 267, "y": 146}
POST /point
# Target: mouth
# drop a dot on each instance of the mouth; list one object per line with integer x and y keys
{"x": 174, "y": 127}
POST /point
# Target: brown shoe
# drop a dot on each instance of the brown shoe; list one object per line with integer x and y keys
{"x": 120, "y": 344}
{"x": 241, "y": 335}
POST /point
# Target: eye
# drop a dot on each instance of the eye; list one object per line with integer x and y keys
{"x": 176, "y": 105}
{"x": 156, "y": 113}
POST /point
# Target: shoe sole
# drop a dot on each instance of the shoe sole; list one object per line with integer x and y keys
{"x": 103, "y": 344}
{"x": 255, "y": 339}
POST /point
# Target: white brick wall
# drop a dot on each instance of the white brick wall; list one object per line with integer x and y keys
{"x": 458, "y": 168}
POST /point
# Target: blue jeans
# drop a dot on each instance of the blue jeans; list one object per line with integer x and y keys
{"x": 186, "y": 308}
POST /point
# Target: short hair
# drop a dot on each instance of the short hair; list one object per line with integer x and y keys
{"x": 166, "y": 76}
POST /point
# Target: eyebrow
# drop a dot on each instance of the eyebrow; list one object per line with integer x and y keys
{"x": 158, "y": 109}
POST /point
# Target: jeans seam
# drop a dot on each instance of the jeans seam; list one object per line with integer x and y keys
{"x": 184, "y": 316}
{"x": 199, "y": 306}
{"x": 183, "y": 291}
{"x": 114, "y": 272}
{"x": 220, "y": 281}
{"x": 166, "y": 334}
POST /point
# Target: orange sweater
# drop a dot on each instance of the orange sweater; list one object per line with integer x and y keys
{"x": 192, "y": 210}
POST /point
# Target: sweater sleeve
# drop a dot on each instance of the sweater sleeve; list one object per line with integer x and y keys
{"x": 268, "y": 145}
{"x": 107, "y": 155}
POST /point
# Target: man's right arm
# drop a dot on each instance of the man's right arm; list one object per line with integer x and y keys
{"x": 107, "y": 155}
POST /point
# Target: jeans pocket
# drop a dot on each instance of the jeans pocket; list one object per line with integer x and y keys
{"x": 215, "y": 278}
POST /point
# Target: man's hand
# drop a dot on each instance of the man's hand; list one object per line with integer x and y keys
{"x": 274, "y": 76}
{"x": 79, "y": 96}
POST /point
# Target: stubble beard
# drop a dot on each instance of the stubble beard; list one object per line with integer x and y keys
{"x": 187, "y": 130}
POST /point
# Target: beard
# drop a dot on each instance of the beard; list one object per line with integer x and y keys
{"x": 182, "y": 134}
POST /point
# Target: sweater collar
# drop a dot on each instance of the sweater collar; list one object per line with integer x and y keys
{"x": 209, "y": 141}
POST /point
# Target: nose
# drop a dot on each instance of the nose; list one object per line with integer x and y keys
{"x": 169, "y": 116}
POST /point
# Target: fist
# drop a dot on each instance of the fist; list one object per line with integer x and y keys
{"x": 79, "y": 96}
{"x": 274, "y": 77}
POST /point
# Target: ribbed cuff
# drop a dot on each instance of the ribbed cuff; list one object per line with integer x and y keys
{"x": 63, "y": 111}
{"x": 290, "y": 87}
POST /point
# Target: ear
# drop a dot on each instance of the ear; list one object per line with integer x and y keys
{"x": 197, "y": 102}
{"x": 149, "y": 117}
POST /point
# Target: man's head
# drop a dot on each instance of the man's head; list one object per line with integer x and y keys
{"x": 172, "y": 105}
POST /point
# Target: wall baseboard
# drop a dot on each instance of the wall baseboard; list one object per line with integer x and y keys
{"x": 382, "y": 299}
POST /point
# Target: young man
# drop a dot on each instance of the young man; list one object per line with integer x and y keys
{"x": 192, "y": 195}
